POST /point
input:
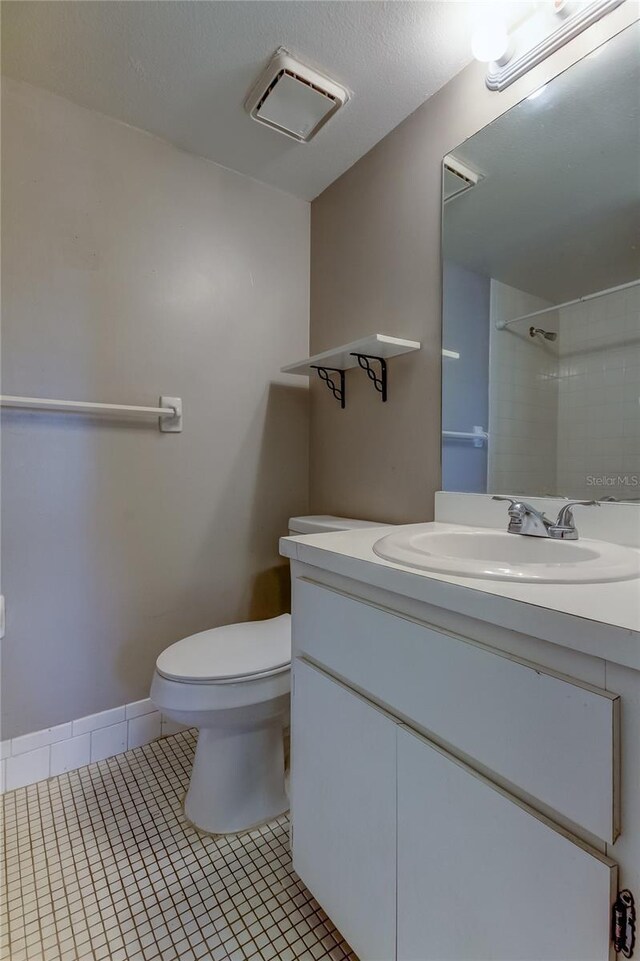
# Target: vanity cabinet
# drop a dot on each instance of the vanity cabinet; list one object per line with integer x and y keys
{"x": 344, "y": 796}
{"x": 556, "y": 738}
{"x": 434, "y": 784}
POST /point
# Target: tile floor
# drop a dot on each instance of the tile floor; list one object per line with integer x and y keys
{"x": 100, "y": 864}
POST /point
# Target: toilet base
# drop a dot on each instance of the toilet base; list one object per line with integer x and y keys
{"x": 237, "y": 781}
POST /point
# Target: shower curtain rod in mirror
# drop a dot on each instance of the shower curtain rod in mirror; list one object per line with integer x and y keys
{"x": 501, "y": 324}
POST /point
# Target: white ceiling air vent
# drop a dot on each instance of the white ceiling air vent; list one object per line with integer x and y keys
{"x": 457, "y": 178}
{"x": 293, "y": 98}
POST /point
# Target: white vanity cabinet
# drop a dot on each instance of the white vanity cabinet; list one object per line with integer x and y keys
{"x": 424, "y": 830}
{"x": 344, "y": 796}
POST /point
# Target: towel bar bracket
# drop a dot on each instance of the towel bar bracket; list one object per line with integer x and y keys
{"x": 171, "y": 425}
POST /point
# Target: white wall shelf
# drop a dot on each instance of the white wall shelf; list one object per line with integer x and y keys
{"x": 360, "y": 353}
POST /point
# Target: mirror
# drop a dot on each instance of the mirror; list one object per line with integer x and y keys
{"x": 541, "y": 290}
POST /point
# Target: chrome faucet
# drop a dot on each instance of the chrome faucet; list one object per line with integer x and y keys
{"x": 564, "y": 527}
{"x": 525, "y": 519}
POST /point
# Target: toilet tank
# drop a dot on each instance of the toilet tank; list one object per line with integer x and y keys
{"x": 323, "y": 523}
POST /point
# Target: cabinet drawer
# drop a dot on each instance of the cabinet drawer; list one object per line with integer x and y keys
{"x": 554, "y": 739}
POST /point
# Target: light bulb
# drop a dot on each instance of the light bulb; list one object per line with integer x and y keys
{"x": 490, "y": 42}
{"x": 564, "y": 8}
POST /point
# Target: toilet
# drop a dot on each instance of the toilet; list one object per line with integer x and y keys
{"x": 233, "y": 684}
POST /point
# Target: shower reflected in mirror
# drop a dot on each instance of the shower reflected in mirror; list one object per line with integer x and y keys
{"x": 541, "y": 290}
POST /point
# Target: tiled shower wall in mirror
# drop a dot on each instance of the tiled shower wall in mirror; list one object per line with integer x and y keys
{"x": 599, "y": 397}
{"x": 523, "y": 397}
{"x": 564, "y": 416}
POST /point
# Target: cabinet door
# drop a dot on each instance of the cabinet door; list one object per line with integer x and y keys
{"x": 480, "y": 876}
{"x": 343, "y": 804}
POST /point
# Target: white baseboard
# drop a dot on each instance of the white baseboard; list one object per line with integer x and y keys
{"x": 35, "y": 757}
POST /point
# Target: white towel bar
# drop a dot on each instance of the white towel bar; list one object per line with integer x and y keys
{"x": 169, "y": 413}
{"x": 478, "y": 435}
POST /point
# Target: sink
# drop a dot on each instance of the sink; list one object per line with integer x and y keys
{"x": 497, "y": 555}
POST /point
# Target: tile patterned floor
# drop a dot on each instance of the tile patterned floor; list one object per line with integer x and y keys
{"x": 100, "y": 864}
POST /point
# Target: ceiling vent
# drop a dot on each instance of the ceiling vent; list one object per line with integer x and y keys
{"x": 294, "y": 99}
{"x": 457, "y": 178}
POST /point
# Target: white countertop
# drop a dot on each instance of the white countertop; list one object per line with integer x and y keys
{"x": 601, "y": 619}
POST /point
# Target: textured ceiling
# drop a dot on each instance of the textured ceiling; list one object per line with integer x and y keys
{"x": 181, "y": 70}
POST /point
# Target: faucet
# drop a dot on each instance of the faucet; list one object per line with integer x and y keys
{"x": 564, "y": 527}
{"x": 525, "y": 519}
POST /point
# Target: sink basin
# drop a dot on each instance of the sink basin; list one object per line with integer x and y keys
{"x": 497, "y": 555}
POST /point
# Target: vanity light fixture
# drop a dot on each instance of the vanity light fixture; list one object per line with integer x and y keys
{"x": 565, "y": 8}
{"x": 491, "y": 43}
{"x": 552, "y": 24}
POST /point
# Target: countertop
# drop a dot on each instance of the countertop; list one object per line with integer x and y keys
{"x": 598, "y": 619}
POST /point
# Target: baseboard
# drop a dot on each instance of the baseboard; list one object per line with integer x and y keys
{"x": 35, "y": 757}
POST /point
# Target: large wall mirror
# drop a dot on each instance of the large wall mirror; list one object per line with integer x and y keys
{"x": 541, "y": 290}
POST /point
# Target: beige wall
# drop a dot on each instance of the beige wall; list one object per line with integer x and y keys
{"x": 131, "y": 269}
{"x": 375, "y": 267}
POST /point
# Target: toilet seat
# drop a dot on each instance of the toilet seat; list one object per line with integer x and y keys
{"x": 236, "y": 652}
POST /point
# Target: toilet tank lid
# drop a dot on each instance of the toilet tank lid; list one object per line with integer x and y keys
{"x": 323, "y": 523}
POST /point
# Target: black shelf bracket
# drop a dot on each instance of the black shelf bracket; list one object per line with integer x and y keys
{"x": 379, "y": 382}
{"x": 337, "y": 390}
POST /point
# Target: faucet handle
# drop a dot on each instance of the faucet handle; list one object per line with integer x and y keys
{"x": 525, "y": 519}
{"x": 516, "y": 508}
{"x": 565, "y": 515}
{"x": 512, "y": 502}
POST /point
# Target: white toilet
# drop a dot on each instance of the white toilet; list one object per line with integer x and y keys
{"x": 233, "y": 684}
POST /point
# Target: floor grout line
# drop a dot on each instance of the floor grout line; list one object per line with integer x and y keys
{"x": 102, "y": 861}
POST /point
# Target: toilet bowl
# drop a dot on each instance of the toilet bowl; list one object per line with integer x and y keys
{"x": 233, "y": 683}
